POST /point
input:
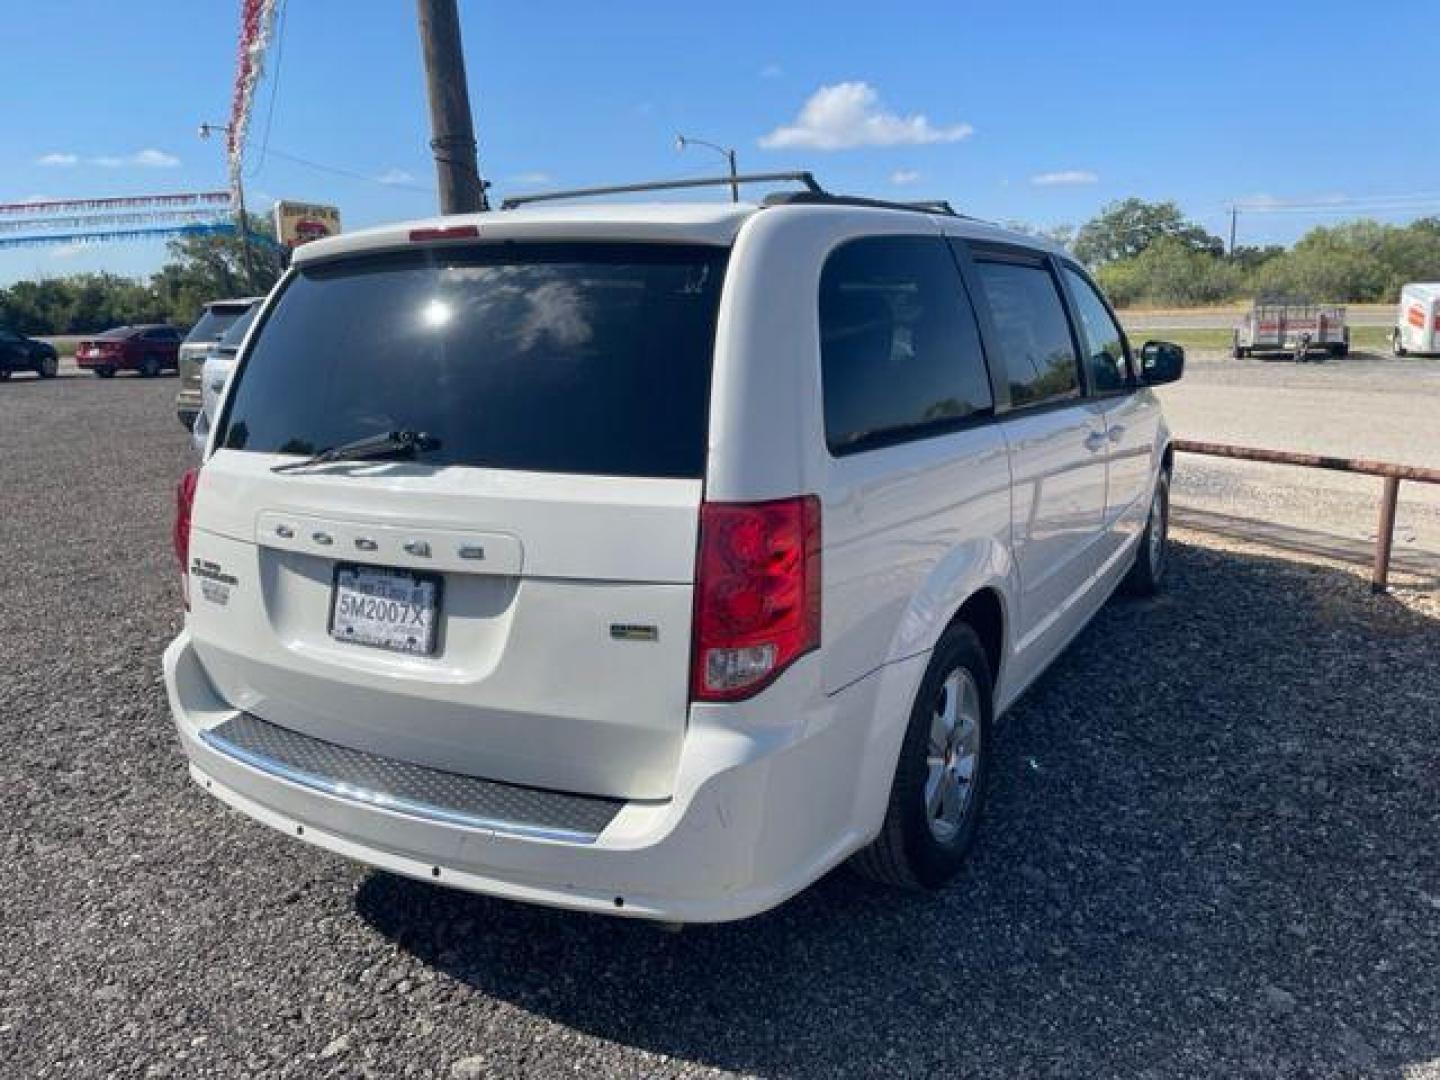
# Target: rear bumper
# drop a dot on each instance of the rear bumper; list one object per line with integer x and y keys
{"x": 119, "y": 363}
{"x": 759, "y": 811}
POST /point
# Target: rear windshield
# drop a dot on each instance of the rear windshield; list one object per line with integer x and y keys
{"x": 216, "y": 320}
{"x": 232, "y": 337}
{"x": 577, "y": 358}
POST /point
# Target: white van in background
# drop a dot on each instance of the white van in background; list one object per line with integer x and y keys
{"x": 1417, "y": 323}
{"x": 656, "y": 559}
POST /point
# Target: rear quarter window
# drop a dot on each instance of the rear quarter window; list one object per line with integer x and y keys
{"x": 579, "y": 358}
{"x": 900, "y": 350}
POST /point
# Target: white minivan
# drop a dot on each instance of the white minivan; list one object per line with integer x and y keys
{"x": 656, "y": 559}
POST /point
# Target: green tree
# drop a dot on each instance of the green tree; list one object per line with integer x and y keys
{"x": 1171, "y": 272}
{"x": 213, "y": 267}
{"x": 1123, "y": 230}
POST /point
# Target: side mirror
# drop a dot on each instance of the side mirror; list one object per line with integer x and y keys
{"x": 1161, "y": 362}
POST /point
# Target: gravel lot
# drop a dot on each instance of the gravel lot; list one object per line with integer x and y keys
{"x": 1210, "y": 850}
{"x": 1364, "y": 406}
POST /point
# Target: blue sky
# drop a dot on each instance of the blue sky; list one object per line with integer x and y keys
{"x": 1040, "y": 112}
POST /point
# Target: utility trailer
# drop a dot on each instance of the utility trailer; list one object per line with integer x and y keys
{"x": 1298, "y": 329}
{"x": 1417, "y": 324}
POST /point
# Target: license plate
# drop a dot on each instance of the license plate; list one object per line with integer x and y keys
{"x": 386, "y": 609}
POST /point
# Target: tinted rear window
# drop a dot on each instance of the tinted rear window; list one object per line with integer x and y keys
{"x": 216, "y": 320}
{"x": 580, "y": 358}
{"x": 232, "y": 337}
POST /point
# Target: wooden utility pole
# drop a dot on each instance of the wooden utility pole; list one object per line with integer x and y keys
{"x": 1234, "y": 213}
{"x": 452, "y": 129}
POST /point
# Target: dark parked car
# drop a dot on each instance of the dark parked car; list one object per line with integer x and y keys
{"x": 146, "y": 349}
{"x": 20, "y": 353}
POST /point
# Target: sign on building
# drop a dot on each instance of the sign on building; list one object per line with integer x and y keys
{"x": 298, "y": 223}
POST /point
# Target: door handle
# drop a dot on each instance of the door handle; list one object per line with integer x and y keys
{"x": 1094, "y": 441}
{"x": 1116, "y": 434}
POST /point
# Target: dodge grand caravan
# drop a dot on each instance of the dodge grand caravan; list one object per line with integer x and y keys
{"x": 656, "y": 559}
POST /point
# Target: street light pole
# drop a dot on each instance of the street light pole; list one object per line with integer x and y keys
{"x": 682, "y": 141}
{"x": 206, "y": 129}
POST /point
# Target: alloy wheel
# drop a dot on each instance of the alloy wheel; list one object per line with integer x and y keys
{"x": 953, "y": 754}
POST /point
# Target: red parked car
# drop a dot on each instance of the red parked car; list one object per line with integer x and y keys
{"x": 146, "y": 349}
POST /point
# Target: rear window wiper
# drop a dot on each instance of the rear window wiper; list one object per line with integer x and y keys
{"x": 371, "y": 446}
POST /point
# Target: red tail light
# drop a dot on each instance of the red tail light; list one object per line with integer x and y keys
{"x": 757, "y": 594}
{"x": 180, "y": 534}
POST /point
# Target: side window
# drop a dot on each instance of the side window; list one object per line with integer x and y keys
{"x": 1104, "y": 344}
{"x": 1034, "y": 333}
{"x": 900, "y": 351}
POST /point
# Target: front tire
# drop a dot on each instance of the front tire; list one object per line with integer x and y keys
{"x": 939, "y": 786}
{"x": 49, "y": 367}
{"x": 1148, "y": 574}
{"x": 105, "y": 372}
{"x": 1397, "y": 346}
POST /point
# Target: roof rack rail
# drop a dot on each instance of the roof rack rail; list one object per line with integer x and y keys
{"x": 794, "y": 198}
{"x": 808, "y": 179}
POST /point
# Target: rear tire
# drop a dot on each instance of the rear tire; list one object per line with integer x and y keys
{"x": 49, "y": 367}
{"x": 104, "y": 372}
{"x": 939, "y": 787}
{"x": 149, "y": 367}
{"x": 1396, "y": 343}
{"x": 1147, "y": 575}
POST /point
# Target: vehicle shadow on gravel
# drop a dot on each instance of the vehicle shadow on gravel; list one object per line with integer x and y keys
{"x": 1209, "y": 849}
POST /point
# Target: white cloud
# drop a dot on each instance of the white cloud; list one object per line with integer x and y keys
{"x": 531, "y": 178}
{"x": 396, "y": 176}
{"x": 144, "y": 159}
{"x": 848, "y": 115}
{"x": 154, "y": 159}
{"x": 1065, "y": 178}
{"x": 904, "y": 176}
{"x": 148, "y": 158}
{"x": 771, "y": 71}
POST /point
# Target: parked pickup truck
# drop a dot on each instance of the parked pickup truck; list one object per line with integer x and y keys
{"x": 1298, "y": 329}
{"x": 20, "y": 353}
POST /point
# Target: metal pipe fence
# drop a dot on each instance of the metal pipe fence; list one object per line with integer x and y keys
{"x": 1391, "y": 473}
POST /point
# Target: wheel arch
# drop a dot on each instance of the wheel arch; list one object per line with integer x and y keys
{"x": 984, "y": 612}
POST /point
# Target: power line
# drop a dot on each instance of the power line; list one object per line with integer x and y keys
{"x": 297, "y": 160}
{"x": 274, "y": 87}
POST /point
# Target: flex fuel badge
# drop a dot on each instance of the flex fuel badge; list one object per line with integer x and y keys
{"x": 215, "y": 583}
